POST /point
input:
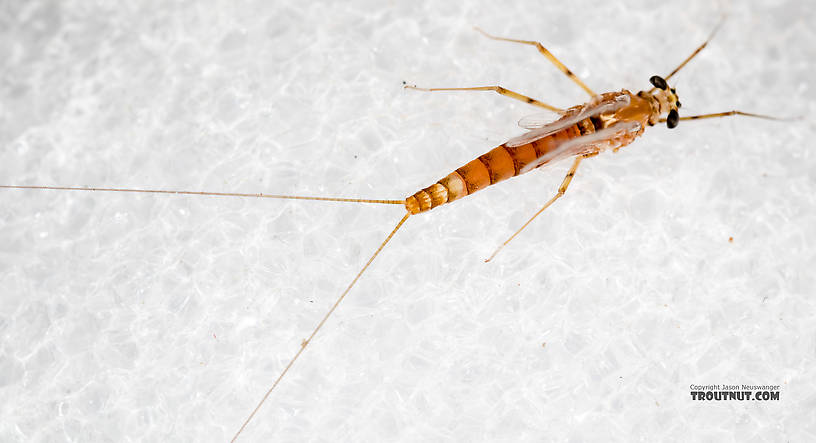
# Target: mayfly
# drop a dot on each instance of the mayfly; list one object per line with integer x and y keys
{"x": 608, "y": 121}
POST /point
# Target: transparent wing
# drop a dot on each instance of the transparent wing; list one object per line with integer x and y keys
{"x": 537, "y": 120}
{"x": 572, "y": 116}
{"x": 612, "y": 137}
{"x": 537, "y": 134}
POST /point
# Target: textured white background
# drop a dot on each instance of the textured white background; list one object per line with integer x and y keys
{"x": 161, "y": 318}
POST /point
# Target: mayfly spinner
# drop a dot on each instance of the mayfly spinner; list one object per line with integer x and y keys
{"x": 609, "y": 120}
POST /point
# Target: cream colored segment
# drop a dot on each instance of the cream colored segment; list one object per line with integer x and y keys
{"x": 438, "y": 193}
{"x": 456, "y": 186}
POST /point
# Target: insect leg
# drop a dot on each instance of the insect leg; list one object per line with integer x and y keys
{"x": 726, "y": 114}
{"x": 561, "y": 191}
{"x": 549, "y": 56}
{"x": 503, "y": 91}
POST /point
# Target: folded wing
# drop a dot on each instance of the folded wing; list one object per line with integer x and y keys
{"x": 598, "y": 105}
{"x": 614, "y": 136}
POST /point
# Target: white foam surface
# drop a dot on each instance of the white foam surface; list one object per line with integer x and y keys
{"x": 165, "y": 318}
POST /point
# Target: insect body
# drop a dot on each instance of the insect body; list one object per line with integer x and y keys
{"x": 607, "y": 121}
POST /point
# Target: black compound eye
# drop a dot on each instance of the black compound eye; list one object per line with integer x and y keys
{"x": 658, "y": 82}
{"x": 672, "y": 119}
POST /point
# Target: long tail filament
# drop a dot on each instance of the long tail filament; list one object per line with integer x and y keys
{"x": 214, "y": 194}
{"x": 319, "y": 325}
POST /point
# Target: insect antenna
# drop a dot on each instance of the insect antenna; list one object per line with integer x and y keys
{"x": 212, "y": 194}
{"x": 319, "y": 325}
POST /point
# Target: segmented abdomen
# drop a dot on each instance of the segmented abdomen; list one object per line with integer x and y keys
{"x": 498, "y": 164}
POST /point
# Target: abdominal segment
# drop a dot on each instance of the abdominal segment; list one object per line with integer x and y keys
{"x": 498, "y": 164}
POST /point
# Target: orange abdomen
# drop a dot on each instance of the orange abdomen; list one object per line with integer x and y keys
{"x": 498, "y": 164}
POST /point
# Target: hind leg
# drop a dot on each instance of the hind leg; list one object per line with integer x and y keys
{"x": 561, "y": 191}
